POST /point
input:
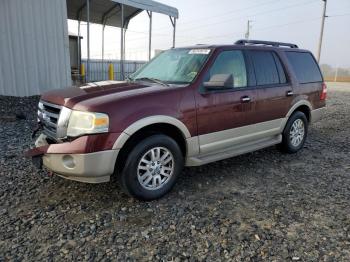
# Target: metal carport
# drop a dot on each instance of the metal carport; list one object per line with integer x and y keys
{"x": 117, "y": 13}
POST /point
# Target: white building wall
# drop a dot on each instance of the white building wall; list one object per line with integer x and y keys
{"x": 34, "y": 47}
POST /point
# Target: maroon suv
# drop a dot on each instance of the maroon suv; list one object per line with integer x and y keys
{"x": 188, "y": 106}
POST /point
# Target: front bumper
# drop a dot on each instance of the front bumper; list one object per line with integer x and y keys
{"x": 89, "y": 168}
{"x": 67, "y": 161}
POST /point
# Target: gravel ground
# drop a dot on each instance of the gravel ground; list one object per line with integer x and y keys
{"x": 260, "y": 206}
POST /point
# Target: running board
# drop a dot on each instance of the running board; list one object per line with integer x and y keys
{"x": 233, "y": 151}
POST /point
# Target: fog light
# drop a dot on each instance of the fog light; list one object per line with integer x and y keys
{"x": 68, "y": 161}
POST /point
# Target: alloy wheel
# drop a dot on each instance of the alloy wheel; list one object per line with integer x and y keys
{"x": 297, "y": 132}
{"x": 155, "y": 168}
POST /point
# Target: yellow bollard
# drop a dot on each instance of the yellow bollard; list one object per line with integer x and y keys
{"x": 111, "y": 72}
{"x": 82, "y": 71}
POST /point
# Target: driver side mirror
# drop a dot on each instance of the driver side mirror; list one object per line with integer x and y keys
{"x": 220, "y": 81}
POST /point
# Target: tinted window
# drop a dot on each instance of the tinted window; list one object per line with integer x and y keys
{"x": 266, "y": 72}
{"x": 231, "y": 62}
{"x": 305, "y": 67}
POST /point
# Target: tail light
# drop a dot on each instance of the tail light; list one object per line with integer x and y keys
{"x": 323, "y": 95}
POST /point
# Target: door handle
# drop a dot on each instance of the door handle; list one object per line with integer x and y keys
{"x": 289, "y": 93}
{"x": 245, "y": 99}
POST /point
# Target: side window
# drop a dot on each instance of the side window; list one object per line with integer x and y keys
{"x": 231, "y": 62}
{"x": 305, "y": 67}
{"x": 265, "y": 68}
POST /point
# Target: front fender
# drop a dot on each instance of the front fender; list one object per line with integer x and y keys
{"x": 156, "y": 119}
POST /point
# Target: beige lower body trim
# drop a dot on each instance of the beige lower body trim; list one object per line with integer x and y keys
{"x": 316, "y": 114}
{"x": 90, "y": 168}
{"x": 231, "y": 137}
{"x": 192, "y": 146}
{"x": 232, "y": 142}
{"x": 234, "y": 151}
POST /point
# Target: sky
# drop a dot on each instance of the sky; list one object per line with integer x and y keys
{"x": 225, "y": 21}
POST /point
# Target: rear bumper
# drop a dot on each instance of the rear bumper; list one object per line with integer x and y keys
{"x": 317, "y": 114}
{"x": 68, "y": 161}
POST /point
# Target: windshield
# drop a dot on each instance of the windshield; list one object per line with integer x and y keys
{"x": 175, "y": 66}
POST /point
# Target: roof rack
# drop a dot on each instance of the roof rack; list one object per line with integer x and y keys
{"x": 259, "y": 42}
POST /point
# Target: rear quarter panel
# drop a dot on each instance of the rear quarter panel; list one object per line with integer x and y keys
{"x": 308, "y": 91}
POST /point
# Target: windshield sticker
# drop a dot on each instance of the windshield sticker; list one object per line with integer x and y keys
{"x": 199, "y": 51}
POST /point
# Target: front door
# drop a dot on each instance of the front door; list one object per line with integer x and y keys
{"x": 221, "y": 113}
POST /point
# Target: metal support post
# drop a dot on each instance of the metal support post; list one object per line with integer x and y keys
{"x": 173, "y": 22}
{"x": 150, "y": 35}
{"x": 122, "y": 50}
{"x": 79, "y": 50}
{"x": 124, "y": 46}
{"x": 88, "y": 40}
{"x": 103, "y": 51}
{"x": 174, "y": 32}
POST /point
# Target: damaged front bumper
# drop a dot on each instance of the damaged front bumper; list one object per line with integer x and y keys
{"x": 75, "y": 160}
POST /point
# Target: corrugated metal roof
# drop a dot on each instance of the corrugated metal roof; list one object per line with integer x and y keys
{"x": 109, "y": 11}
{"x": 34, "y": 49}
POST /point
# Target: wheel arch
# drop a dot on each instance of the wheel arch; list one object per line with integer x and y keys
{"x": 143, "y": 128}
{"x": 303, "y": 106}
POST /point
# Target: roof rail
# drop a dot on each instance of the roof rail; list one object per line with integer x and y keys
{"x": 259, "y": 42}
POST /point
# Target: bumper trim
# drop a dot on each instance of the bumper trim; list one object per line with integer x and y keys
{"x": 316, "y": 114}
{"x": 90, "y": 180}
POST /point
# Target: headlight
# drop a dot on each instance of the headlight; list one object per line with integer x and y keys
{"x": 81, "y": 123}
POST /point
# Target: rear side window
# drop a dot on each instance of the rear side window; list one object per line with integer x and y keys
{"x": 305, "y": 67}
{"x": 266, "y": 71}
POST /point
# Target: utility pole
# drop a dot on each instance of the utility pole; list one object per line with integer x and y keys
{"x": 336, "y": 73}
{"x": 322, "y": 28}
{"x": 248, "y": 29}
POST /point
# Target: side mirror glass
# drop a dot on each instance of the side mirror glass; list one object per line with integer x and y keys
{"x": 220, "y": 81}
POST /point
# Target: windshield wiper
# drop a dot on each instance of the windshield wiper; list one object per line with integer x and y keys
{"x": 155, "y": 80}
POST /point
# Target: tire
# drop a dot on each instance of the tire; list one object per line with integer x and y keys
{"x": 154, "y": 176}
{"x": 295, "y": 133}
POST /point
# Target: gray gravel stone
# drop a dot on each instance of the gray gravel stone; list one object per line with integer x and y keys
{"x": 262, "y": 206}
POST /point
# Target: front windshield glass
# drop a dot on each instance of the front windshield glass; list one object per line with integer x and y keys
{"x": 175, "y": 66}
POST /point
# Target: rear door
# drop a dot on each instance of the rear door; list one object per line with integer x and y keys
{"x": 274, "y": 90}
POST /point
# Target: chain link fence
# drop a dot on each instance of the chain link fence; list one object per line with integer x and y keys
{"x": 99, "y": 68}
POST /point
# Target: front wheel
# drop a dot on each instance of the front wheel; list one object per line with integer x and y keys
{"x": 152, "y": 168}
{"x": 295, "y": 133}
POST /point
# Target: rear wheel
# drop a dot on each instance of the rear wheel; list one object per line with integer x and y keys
{"x": 152, "y": 167}
{"x": 295, "y": 133}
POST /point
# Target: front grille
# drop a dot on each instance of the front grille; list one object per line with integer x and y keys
{"x": 48, "y": 115}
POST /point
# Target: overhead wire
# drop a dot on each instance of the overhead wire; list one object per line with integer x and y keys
{"x": 251, "y": 16}
{"x": 234, "y": 18}
{"x": 241, "y": 32}
{"x": 223, "y": 14}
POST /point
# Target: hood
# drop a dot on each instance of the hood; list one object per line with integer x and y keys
{"x": 72, "y": 96}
